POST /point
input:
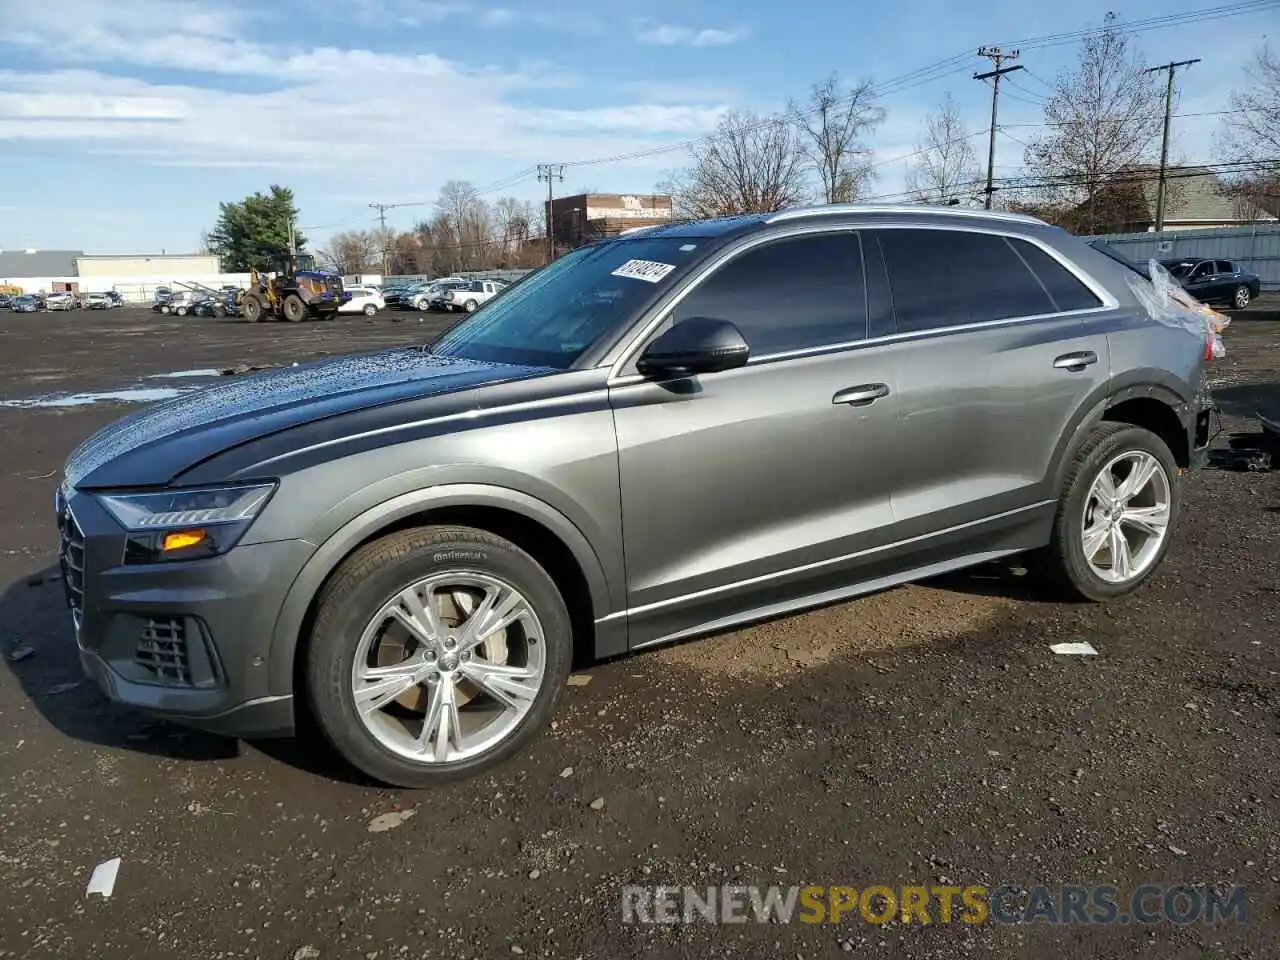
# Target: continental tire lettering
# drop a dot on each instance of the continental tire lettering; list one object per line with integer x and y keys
{"x": 469, "y": 556}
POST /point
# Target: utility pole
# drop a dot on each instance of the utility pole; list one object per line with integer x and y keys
{"x": 382, "y": 209}
{"x": 551, "y": 172}
{"x": 1162, "y": 192}
{"x": 998, "y": 57}
{"x": 293, "y": 237}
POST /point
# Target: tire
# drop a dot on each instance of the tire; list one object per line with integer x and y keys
{"x": 370, "y": 310}
{"x": 181, "y": 311}
{"x": 352, "y": 602}
{"x": 1240, "y": 299}
{"x": 470, "y": 306}
{"x": 251, "y": 308}
{"x": 293, "y": 309}
{"x": 1063, "y": 565}
{"x": 164, "y": 310}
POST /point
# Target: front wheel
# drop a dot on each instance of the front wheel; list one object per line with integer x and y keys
{"x": 294, "y": 310}
{"x": 181, "y": 311}
{"x": 164, "y": 310}
{"x": 251, "y": 307}
{"x": 1240, "y": 299}
{"x": 436, "y": 653}
{"x": 370, "y": 310}
{"x": 470, "y": 306}
{"x": 1118, "y": 508}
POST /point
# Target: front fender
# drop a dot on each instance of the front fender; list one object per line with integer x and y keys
{"x": 610, "y": 637}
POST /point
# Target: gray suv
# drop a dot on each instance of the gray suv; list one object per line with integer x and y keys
{"x": 678, "y": 431}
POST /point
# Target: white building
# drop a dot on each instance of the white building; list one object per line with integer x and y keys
{"x": 134, "y": 276}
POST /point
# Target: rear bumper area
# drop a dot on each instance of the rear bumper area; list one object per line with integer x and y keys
{"x": 188, "y": 641}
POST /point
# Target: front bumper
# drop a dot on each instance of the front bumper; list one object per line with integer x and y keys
{"x": 188, "y": 640}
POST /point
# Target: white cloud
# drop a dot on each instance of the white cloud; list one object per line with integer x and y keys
{"x": 499, "y": 17}
{"x": 329, "y": 111}
{"x": 667, "y": 35}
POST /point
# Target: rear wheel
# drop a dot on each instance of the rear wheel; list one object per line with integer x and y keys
{"x": 251, "y": 307}
{"x": 294, "y": 310}
{"x": 1240, "y": 299}
{"x": 181, "y": 311}
{"x": 470, "y": 306}
{"x": 1118, "y": 507}
{"x": 164, "y": 309}
{"x": 436, "y": 654}
{"x": 370, "y": 310}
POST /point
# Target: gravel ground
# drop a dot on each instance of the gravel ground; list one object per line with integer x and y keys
{"x": 925, "y": 735}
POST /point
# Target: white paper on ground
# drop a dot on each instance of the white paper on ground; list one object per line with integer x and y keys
{"x": 103, "y": 880}
{"x": 1081, "y": 649}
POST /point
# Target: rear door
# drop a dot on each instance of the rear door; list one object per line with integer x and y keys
{"x": 1000, "y": 344}
{"x": 758, "y": 485}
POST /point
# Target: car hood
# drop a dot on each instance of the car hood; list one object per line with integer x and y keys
{"x": 154, "y": 445}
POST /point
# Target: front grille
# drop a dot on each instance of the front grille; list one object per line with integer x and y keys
{"x": 162, "y": 651}
{"x": 71, "y": 558}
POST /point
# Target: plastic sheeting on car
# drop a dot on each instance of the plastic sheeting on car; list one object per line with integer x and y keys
{"x": 1166, "y": 302}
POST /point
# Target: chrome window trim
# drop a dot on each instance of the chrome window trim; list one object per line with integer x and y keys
{"x": 628, "y": 352}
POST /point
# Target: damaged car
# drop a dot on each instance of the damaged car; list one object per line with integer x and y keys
{"x": 682, "y": 430}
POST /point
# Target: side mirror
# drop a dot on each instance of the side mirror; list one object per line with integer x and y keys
{"x": 696, "y": 345}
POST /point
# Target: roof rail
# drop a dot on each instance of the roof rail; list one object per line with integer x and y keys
{"x": 794, "y": 213}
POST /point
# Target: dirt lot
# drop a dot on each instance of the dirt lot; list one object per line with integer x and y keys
{"x": 925, "y": 735}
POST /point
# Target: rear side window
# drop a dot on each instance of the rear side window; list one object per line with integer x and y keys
{"x": 792, "y": 294}
{"x": 1066, "y": 290}
{"x": 949, "y": 278}
{"x": 1225, "y": 266}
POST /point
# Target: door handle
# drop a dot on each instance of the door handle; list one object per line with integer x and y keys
{"x": 1075, "y": 361}
{"x": 861, "y": 396}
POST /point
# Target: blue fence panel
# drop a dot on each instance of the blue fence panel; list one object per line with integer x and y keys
{"x": 1254, "y": 248}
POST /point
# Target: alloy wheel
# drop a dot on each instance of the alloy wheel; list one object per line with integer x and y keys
{"x": 449, "y": 667}
{"x": 1126, "y": 517}
{"x": 1242, "y": 298}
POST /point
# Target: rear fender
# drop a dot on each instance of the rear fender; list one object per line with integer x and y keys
{"x": 1134, "y": 384}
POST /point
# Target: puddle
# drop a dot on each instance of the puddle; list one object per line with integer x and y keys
{"x": 185, "y": 375}
{"x": 134, "y": 395}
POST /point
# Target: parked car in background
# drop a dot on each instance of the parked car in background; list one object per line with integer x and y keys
{"x": 364, "y": 300}
{"x": 411, "y": 547}
{"x": 97, "y": 301}
{"x": 5, "y": 300}
{"x": 474, "y": 295}
{"x": 60, "y": 301}
{"x": 439, "y": 293}
{"x": 1215, "y": 282}
{"x": 181, "y": 303}
{"x": 26, "y": 304}
{"x": 116, "y": 299}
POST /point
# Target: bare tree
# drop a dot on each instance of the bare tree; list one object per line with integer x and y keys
{"x": 946, "y": 169}
{"x": 832, "y": 123}
{"x": 1251, "y": 133}
{"x": 1102, "y": 117}
{"x": 749, "y": 165}
{"x": 1253, "y": 126}
{"x": 354, "y": 251}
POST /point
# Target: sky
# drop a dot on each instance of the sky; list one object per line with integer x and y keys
{"x": 123, "y": 123}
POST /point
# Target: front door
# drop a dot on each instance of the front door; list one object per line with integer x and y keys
{"x": 755, "y": 486}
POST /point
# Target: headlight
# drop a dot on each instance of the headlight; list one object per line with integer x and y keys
{"x": 186, "y": 524}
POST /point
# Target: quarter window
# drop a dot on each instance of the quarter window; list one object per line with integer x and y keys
{"x": 792, "y": 294}
{"x": 949, "y": 278}
{"x": 1064, "y": 287}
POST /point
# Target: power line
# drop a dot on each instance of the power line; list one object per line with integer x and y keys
{"x": 998, "y": 56}
{"x": 1169, "y": 68}
{"x": 551, "y": 172}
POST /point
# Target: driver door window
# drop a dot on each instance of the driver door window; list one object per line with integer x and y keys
{"x": 794, "y": 294}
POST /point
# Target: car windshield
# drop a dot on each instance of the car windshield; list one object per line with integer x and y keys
{"x": 552, "y": 317}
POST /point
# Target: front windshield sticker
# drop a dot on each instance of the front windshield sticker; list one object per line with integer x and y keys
{"x": 649, "y": 270}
